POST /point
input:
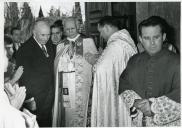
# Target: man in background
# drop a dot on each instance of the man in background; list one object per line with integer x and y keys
{"x": 56, "y": 33}
{"x": 16, "y": 37}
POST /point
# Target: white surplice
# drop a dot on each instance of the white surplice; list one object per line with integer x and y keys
{"x": 10, "y": 117}
{"x": 107, "y": 108}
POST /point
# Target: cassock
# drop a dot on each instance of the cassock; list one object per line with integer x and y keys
{"x": 156, "y": 78}
{"x": 107, "y": 108}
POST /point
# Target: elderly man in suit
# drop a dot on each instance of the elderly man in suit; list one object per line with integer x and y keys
{"x": 37, "y": 58}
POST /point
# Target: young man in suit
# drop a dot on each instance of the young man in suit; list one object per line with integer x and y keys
{"x": 56, "y": 34}
{"x": 16, "y": 37}
{"x": 36, "y": 56}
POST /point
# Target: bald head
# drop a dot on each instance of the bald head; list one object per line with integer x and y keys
{"x": 71, "y": 27}
{"x": 41, "y": 31}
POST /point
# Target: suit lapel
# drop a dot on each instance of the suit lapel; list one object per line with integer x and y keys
{"x": 37, "y": 48}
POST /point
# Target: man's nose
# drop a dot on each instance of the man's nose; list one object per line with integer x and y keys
{"x": 70, "y": 30}
{"x": 152, "y": 41}
{"x": 54, "y": 35}
{"x": 12, "y": 50}
{"x": 47, "y": 37}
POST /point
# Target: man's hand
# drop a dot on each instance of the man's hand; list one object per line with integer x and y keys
{"x": 17, "y": 75}
{"x": 9, "y": 89}
{"x": 144, "y": 106}
{"x": 100, "y": 50}
{"x": 91, "y": 58}
{"x": 18, "y": 98}
{"x": 30, "y": 119}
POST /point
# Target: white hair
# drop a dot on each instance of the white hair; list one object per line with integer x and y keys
{"x": 38, "y": 23}
{"x": 77, "y": 24}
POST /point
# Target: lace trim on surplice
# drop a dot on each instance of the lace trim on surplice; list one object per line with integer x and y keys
{"x": 165, "y": 110}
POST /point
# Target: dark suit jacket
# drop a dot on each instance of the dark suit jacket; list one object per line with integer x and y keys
{"x": 37, "y": 76}
{"x": 53, "y": 46}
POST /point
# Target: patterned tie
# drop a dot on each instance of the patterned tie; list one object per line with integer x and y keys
{"x": 72, "y": 48}
{"x": 44, "y": 50}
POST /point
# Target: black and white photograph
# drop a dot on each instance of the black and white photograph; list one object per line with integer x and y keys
{"x": 90, "y": 64}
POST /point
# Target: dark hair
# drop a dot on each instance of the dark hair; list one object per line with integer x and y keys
{"x": 13, "y": 29}
{"x": 153, "y": 21}
{"x": 58, "y": 24}
{"x": 7, "y": 40}
{"x": 110, "y": 20}
{"x": 7, "y": 30}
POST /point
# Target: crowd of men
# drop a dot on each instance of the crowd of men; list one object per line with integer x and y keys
{"x": 59, "y": 78}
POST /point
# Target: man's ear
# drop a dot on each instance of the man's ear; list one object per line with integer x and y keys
{"x": 164, "y": 36}
{"x": 33, "y": 32}
{"x": 140, "y": 39}
{"x": 107, "y": 27}
{"x": 98, "y": 27}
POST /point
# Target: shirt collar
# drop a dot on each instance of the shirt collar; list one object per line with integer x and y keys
{"x": 73, "y": 39}
{"x": 124, "y": 36}
{"x": 40, "y": 45}
{"x": 159, "y": 54}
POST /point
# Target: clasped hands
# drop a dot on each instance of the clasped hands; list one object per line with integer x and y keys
{"x": 15, "y": 94}
{"x": 18, "y": 73}
{"x": 144, "y": 106}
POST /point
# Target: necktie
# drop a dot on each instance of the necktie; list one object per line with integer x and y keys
{"x": 17, "y": 46}
{"x": 44, "y": 50}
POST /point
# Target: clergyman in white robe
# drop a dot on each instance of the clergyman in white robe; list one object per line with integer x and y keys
{"x": 108, "y": 109}
{"x": 76, "y": 77}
